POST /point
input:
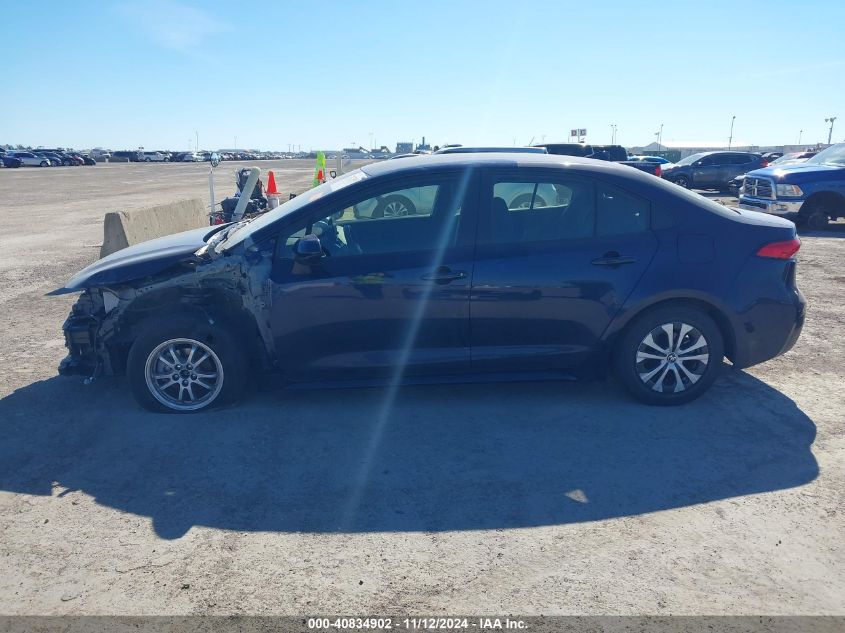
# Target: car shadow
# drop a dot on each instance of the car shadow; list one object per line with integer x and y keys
{"x": 834, "y": 229}
{"x": 444, "y": 457}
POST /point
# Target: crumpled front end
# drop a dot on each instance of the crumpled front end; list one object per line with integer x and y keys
{"x": 86, "y": 328}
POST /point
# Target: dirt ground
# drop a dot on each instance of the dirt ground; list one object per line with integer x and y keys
{"x": 522, "y": 498}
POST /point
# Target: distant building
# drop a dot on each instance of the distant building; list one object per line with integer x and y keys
{"x": 404, "y": 148}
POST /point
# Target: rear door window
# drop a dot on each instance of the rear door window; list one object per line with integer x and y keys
{"x": 537, "y": 210}
{"x": 620, "y": 212}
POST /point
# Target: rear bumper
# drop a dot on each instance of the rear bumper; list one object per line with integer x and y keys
{"x": 768, "y": 329}
{"x": 767, "y": 205}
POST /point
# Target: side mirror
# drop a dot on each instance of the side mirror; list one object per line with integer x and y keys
{"x": 333, "y": 173}
{"x": 308, "y": 249}
{"x": 215, "y": 159}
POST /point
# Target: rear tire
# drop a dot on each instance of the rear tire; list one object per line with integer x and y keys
{"x": 669, "y": 355}
{"x": 394, "y": 207}
{"x": 208, "y": 364}
{"x": 682, "y": 181}
{"x": 44, "y": 163}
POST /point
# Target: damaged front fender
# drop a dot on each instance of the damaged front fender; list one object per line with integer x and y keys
{"x": 106, "y": 320}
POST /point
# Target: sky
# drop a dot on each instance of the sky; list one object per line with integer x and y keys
{"x": 158, "y": 73}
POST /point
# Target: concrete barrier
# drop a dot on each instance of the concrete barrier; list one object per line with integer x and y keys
{"x": 125, "y": 228}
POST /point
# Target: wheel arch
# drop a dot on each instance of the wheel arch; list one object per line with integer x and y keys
{"x": 621, "y": 324}
{"x": 829, "y": 200}
{"x": 215, "y": 306}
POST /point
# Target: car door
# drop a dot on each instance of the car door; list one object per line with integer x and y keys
{"x": 739, "y": 164}
{"x": 704, "y": 172}
{"x": 391, "y": 292}
{"x": 550, "y": 277}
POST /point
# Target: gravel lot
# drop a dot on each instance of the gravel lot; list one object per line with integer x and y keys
{"x": 522, "y": 498}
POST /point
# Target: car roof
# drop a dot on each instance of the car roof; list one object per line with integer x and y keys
{"x": 425, "y": 162}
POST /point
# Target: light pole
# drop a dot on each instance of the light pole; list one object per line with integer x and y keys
{"x": 800, "y": 134}
{"x": 236, "y": 142}
{"x": 659, "y": 135}
{"x": 731, "y": 137}
{"x": 371, "y": 141}
{"x": 198, "y": 140}
{"x": 613, "y": 134}
{"x": 830, "y": 132}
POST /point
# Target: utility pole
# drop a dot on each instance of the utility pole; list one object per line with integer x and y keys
{"x": 731, "y": 137}
{"x": 830, "y": 132}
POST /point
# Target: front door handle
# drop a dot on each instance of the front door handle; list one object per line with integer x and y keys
{"x": 613, "y": 259}
{"x": 443, "y": 275}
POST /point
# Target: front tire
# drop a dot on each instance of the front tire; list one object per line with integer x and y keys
{"x": 44, "y": 163}
{"x": 682, "y": 181}
{"x": 817, "y": 220}
{"x": 669, "y": 355}
{"x": 184, "y": 364}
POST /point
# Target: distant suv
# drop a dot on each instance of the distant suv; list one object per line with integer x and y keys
{"x": 812, "y": 192}
{"x": 154, "y": 157}
{"x": 132, "y": 156}
{"x": 712, "y": 170}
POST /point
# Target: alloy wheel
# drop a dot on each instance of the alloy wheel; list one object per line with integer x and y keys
{"x": 395, "y": 208}
{"x": 672, "y": 357}
{"x": 184, "y": 374}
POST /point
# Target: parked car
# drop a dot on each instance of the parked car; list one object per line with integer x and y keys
{"x": 191, "y": 157}
{"x": 712, "y": 170}
{"x": 623, "y": 272}
{"x": 10, "y": 161}
{"x": 62, "y": 157}
{"x": 786, "y": 159}
{"x": 651, "y": 159}
{"x": 153, "y": 157}
{"x": 30, "y": 159}
{"x": 132, "y": 156}
{"x": 88, "y": 160}
{"x": 54, "y": 159}
{"x": 613, "y": 153}
{"x": 811, "y": 192}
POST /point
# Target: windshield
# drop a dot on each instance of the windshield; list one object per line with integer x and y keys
{"x": 833, "y": 155}
{"x": 243, "y": 231}
{"x": 690, "y": 159}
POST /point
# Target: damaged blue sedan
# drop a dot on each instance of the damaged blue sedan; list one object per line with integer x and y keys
{"x": 505, "y": 266}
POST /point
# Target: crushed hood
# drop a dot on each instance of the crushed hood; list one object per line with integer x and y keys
{"x": 140, "y": 260}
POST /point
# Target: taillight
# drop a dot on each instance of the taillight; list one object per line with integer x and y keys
{"x": 780, "y": 250}
{"x": 765, "y": 163}
{"x": 658, "y": 172}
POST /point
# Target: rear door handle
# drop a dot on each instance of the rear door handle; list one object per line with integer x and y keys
{"x": 443, "y": 275}
{"x": 613, "y": 259}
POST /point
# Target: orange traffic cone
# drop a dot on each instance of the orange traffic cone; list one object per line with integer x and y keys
{"x": 271, "y": 184}
{"x": 321, "y": 177}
